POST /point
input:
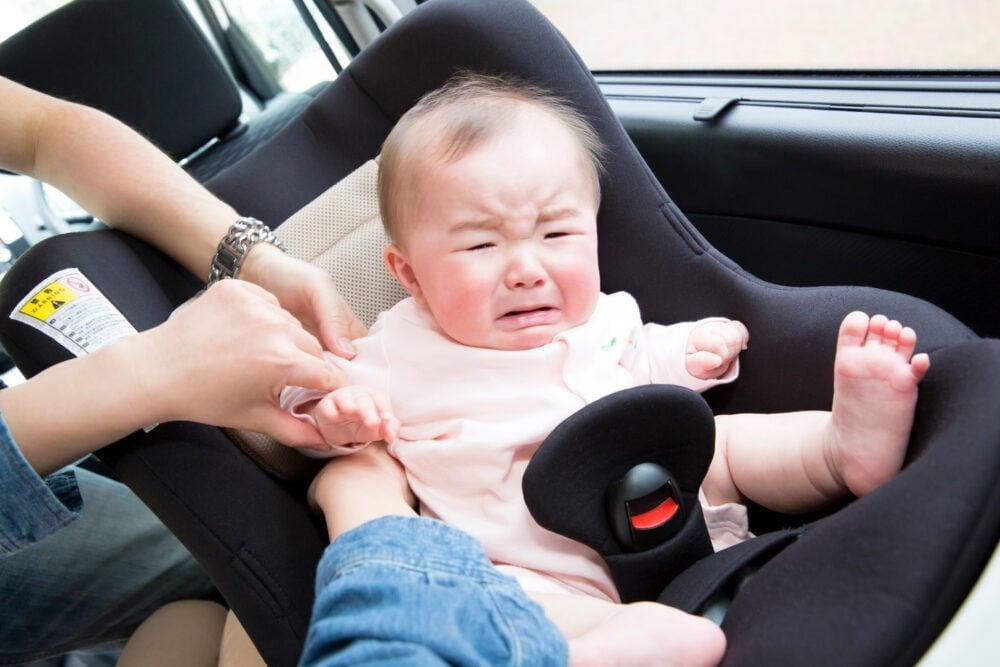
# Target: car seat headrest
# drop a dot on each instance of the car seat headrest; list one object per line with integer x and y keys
{"x": 145, "y": 63}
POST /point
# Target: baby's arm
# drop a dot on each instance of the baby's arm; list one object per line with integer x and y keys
{"x": 713, "y": 347}
{"x": 351, "y": 490}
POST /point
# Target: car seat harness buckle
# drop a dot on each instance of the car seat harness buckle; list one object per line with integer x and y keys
{"x": 645, "y": 507}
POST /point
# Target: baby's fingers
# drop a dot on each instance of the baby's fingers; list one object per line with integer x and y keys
{"x": 361, "y": 407}
{"x": 736, "y": 335}
{"x": 727, "y": 340}
{"x": 390, "y": 429}
{"x": 388, "y": 424}
{"x": 713, "y": 343}
{"x": 704, "y": 365}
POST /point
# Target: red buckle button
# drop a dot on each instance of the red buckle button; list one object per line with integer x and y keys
{"x": 655, "y": 517}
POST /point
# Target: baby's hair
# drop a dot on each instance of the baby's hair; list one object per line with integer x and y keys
{"x": 468, "y": 109}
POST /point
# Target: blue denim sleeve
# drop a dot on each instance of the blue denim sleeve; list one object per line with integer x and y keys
{"x": 30, "y": 507}
{"x": 414, "y": 591}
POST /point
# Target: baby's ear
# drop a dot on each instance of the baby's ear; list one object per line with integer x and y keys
{"x": 399, "y": 267}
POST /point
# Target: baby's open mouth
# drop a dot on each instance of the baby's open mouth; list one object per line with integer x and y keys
{"x": 525, "y": 311}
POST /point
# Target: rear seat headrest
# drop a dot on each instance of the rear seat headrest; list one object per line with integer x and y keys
{"x": 145, "y": 63}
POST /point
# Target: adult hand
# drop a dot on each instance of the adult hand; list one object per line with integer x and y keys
{"x": 224, "y": 358}
{"x": 307, "y": 292}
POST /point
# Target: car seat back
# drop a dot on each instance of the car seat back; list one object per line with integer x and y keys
{"x": 648, "y": 247}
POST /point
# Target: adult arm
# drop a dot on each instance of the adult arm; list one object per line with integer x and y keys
{"x": 112, "y": 172}
{"x": 121, "y": 178}
{"x": 411, "y": 590}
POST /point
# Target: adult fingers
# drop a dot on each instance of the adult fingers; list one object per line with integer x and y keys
{"x": 289, "y": 430}
{"x": 301, "y": 339}
{"x": 330, "y": 315}
{"x": 338, "y": 328}
{"x": 314, "y": 372}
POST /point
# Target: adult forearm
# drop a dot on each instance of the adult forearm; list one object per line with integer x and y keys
{"x": 124, "y": 180}
{"x": 72, "y": 408}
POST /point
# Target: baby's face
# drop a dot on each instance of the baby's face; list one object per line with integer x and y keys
{"x": 501, "y": 245}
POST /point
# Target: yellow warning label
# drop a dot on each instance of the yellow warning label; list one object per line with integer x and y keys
{"x": 48, "y": 300}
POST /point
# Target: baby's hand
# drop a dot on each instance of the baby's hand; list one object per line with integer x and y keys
{"x": 713, "y": 347}
{"x": 355, "y": 414}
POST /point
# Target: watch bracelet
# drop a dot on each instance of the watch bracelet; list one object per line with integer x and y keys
{"x": 244, "y": 234}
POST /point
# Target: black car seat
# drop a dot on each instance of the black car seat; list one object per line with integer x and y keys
{"x": 149, "y": 65}
{"x": 872, "y": 582}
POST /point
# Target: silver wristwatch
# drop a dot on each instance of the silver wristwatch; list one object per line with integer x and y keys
{"x": 234, "y": 246}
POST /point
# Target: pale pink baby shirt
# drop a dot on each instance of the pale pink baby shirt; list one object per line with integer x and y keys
{"x": 471, "y": 418}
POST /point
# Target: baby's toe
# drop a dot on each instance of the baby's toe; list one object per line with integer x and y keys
{"x": 853, "y": 329}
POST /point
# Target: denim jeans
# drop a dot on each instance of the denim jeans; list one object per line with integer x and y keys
{"x": 94, "y": 580}
{"x": 413, "y": 591}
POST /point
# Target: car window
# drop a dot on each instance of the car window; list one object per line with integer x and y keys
{"x": 277, "y": 30}
{"x": 781, "y": 34}
{"x": 16, "y": 14}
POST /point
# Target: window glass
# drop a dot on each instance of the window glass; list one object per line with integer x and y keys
{"x": 780, "y": 34}
{"x": 277, "y": 29}
{"x": 16, "y": 14}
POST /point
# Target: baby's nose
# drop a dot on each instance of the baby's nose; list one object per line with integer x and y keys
{"x": 524, "y": 270}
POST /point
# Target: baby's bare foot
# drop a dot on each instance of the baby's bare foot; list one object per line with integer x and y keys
{"x": 875, "y": 390}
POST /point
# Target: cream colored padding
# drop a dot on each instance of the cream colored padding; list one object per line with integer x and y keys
{"x": 341, "y": 232}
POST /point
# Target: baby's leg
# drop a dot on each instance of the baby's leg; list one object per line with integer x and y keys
{"x": 800, "y": 461}
{"x": 366, "y": 485}
{"x": 642, "y": 633}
